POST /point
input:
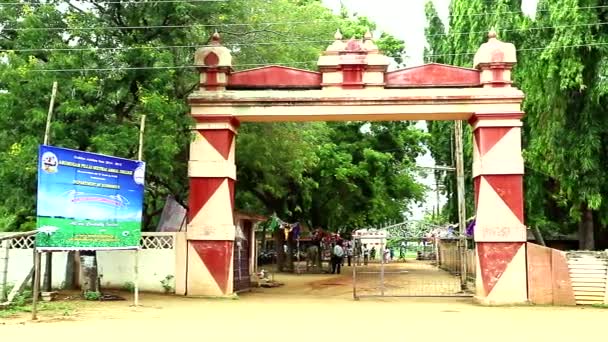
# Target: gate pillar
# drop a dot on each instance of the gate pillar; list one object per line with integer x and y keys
{"x": 212, "y": 173}
{"x": 498, "y": 168}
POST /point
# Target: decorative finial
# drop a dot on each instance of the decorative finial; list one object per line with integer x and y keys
{"x": 215, "y": 38}
{"x": 338, "y": 35}
{"x": 367, "y": 35}
{"x": 492, "y": 33}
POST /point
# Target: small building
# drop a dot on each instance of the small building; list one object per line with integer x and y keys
{"x": 372, "y": 238}
{"x": 245, "y": 250}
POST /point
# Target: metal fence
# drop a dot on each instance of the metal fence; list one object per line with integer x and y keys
{"x": 418, "y": 274}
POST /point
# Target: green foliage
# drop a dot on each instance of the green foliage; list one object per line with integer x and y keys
{"x": 167, "y": 284}
{"x": 92, "y": 295}
{"x": 22, "y": 303}
{"x": 23, "y": 298}
{"x": 324, "y": 174}
{"x": 561, "y": 69}
{"x": 129, "y": 287}
{"x": 65, "y": 309}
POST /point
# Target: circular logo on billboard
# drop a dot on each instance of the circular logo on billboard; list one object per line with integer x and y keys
{"x": 49, "y": 162}
{"x": 138, "y": 175}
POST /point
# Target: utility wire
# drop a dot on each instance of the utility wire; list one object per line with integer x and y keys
{"x": 288, "y": 23}
{"x": 524, "y": 49}
{"x": 479, "y": 14}
{"x": 161, "y": 67}
{"x": 538, "y": 49}
{"x": 162, "y": 47}
{"x": 485, "y": 14}
{"x": 25, "y": 3}
{"x": 146, "y": 27}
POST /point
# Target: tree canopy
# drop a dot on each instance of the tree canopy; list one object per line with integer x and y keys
{"x": 561, "y": 69}
{"x": 116, "y": 61}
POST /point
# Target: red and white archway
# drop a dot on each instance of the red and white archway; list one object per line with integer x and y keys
{"x": 353, "y": 84}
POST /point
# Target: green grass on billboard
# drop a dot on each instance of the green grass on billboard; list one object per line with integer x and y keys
{"x": 87, "y": 233}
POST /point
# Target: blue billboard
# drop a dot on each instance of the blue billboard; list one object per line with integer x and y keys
{"x": 88, "y": 201}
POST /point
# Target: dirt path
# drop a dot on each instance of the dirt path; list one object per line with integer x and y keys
{"x": 309, "y": 308}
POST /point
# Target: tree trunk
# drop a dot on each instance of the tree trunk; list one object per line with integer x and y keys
{"x": 279, "y": 241}
{"x": 70, "y": 284}
{"x": 90, "y": 279}
{"x": 538, "y": 236}
{"x": 585, "y": 230}
{"x": 289, "y": 258}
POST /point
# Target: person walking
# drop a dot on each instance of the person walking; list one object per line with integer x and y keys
{"x": 372, "y": 253}
{"x": 336, "y": 258}
{"x": 365, "y": 254}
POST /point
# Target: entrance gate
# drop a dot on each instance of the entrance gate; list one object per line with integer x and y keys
{"x": 353, "y": 83}
{"x": 407, "y": 263}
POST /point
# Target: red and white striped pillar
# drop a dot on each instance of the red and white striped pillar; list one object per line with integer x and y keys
{"x": 498, "y": 168}
{"x": 211, "y": 231}
{"x": 500, "y": 233}
{"x": 212, "y": 173}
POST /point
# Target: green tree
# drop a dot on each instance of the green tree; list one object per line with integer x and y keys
{"x": 565, "y": 94}
{"x": 116, "y": 61}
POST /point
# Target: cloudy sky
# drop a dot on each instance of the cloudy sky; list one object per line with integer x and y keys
{"x": 405, "y": 19}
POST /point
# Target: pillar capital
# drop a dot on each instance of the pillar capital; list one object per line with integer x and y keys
{"x": 353, "y": 63}
{"x": 214, "y": 62}
{"x": 499, "y": 119}
{"x": 495, "y": 59}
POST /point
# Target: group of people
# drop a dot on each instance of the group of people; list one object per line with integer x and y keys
{"x": 345, "y": 251}
{"x": 341, "y": 252}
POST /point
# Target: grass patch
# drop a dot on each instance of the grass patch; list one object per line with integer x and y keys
{"x": 64, "y": 309}
{"x": 23, "y": 303}
{"x": 600, "y": 306}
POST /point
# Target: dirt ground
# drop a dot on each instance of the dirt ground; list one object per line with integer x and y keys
{"x": 307, "y": 308}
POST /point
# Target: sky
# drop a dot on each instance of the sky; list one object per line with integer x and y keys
{"x": 405, "y": 19}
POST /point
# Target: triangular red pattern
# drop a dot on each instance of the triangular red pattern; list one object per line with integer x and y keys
{"x": 510, "y": 190}
{"x": 201, "y": 190}
{"x": 489, "y": 136}
{"x": 216, "y": 255}
{"x": 494, "y": 257}
{"x": 476, "y": 137}
{"x": 220, "y": 139}
{"x": 231, "y": 189}
{"x": 476, "y": 185}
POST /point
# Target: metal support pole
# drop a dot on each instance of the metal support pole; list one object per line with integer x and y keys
{"x": 142, "y": 127}
{"x": 49, "y": 116}
{"x": 355, "y": 277}
{"x": 382, "y": 268}
{"x": 298, "y": 251}
{"x": 136, "y": 279}
{"x": 36, "y": 292}
{"x": 48, "y": 266}
{"x": 140, "y": 155}
{"x": 461, "y": 200}
{"x": 4, "y": 281}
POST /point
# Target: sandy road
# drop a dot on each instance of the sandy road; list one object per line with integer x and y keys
{"x": 309, "y": 308}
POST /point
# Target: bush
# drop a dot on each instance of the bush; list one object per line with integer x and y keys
{"x": 92, "y": 295}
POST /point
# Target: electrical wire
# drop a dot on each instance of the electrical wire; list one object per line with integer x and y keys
{"x": 478, "y": 14}
{"x": 25, "y": 3}
{"x": 161, "y": 67}
{"x": 537, "y": 49}
{"x": 162, "y": 47}
{"x": 277, "y": 42}
{"x": 485, "y": 14}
